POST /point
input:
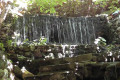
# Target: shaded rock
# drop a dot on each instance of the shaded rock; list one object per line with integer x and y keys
{"x": 54, "y": 68}
{"x": 70, "y": 60}
{"x": 2, "y": 64}
{"x": 100, "y": 58}
{"x": 118, "y": 70}
{"x": 46, "y": 77}
{"x": 28, "y": 54}
{"x": 110, "y": 73}
{"x": 63, "y": 76}
{"x": 84, "y": 57}
{"x": 17, "y": 78}
{"x": 80, "y": 58}
{"x": 97, "y": 71}
{"x": 17, "y": 71}
{"x": 36, "y": 64}
{"x": 26, "y": 73}
{"x": 38, "y": 53}
{"x": 26, "y": 48}
{"x": 1, "y": 73}
{"x": 80, "y": 71}
{"x": 12, "y": 57}
{"x": 57, "y": 76}
{"x": 94, "y": 59}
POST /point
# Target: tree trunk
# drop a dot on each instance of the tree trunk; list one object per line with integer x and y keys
{"x": 4, "y": 7}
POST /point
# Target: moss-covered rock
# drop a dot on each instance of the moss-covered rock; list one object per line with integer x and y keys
{"x": 1, "y": 73}
{"x": 17, "y": 71}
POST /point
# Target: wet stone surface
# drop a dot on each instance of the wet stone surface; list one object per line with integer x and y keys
{"x": 87, "y": 65}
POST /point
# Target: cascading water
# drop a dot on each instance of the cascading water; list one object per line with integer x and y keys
{"x": 59, "y": 30}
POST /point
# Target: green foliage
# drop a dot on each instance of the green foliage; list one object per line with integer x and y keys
{"x": 2, "y": 47}
{"x": 104, "y": 48}
{"x": 25, "y": 41}
{"x": 70, "y": 7}
{"x": 21, "y": 57}
{"x": 111, "y": 5}
{"x": 32, "y": 47}
{"x": 110, "y": 47}
{"x": 42, "y": 41}
{"x": 9, "y": 43}
{"x": 103, "y": 41}
{"x": 15, "y": 44}
{"x": 46, "y": 6}
{"x": 100, "y": 41}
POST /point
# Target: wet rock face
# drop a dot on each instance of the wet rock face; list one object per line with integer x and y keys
{"x": 60, "y": 30}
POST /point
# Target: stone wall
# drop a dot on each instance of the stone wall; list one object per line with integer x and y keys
{"x": 87, "y": 63}
{"x": 45, "y": 50}
{"x": 61, "y": 51}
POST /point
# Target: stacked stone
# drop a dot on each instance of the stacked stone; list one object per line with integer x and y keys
{"x": 75, "y": 68}
{"x": 4, "y": 71}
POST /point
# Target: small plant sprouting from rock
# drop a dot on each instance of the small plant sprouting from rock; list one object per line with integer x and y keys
{"x": 42, "y": 41}
{"x": 9, "y": 43}
{"x": 108, "y": 51}
{"x": 2, "y": 47}
{"x": 100, "y": 41}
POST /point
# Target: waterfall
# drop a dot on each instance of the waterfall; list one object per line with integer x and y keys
{"x": 59, "y": 30}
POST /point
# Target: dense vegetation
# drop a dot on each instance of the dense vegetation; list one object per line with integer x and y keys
{"x": 60, "y": 7}
{"x": 74, "y": 7}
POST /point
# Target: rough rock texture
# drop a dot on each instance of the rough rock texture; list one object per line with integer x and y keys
{"x": 114, "y": 32}
{"x": 61, "y": 30}
{"x": 42, "y": 51}
{"x": 87, "y": 64}
{"x": 57, "y": 62}
{"x": 5, "y": 66}
{"x": 6, "y": 29}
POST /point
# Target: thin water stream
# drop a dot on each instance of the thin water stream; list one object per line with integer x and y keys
{"x": 59, "y": 30}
